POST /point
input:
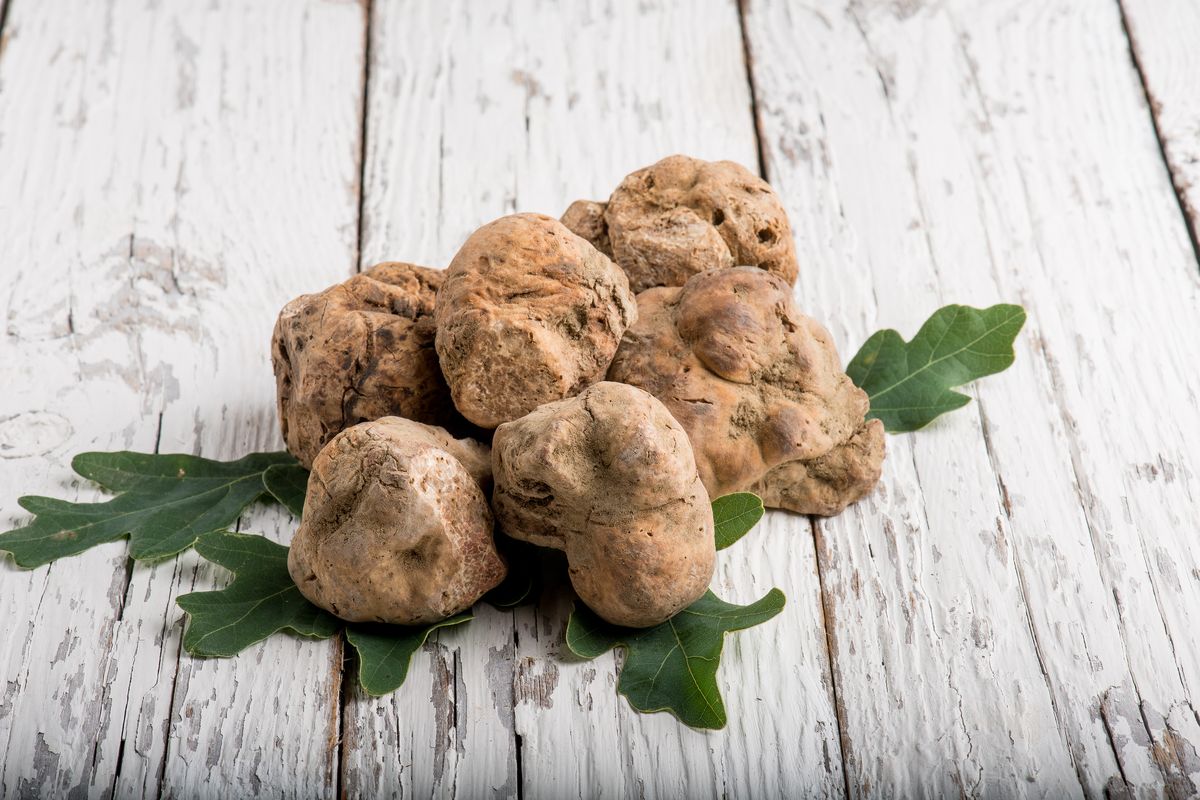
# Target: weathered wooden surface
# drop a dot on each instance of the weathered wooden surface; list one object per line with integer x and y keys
{"x": 1013, "y": 613}
{"x": 169, "y": 175}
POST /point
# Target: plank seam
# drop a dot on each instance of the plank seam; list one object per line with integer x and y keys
{"x": 4, "y": 7}
{"x": 336, "y": 744}
{"x": 1155, "y": 108}
{"x": 343, "y": 660}
{"x": 517, "y": 740}
{"x": 365, "y": 102}
{"x": 827, "y": 626}
{"x": 748, "y": 65}
{"x": 161, "y": 781}
{"x": 1112, "y": 742}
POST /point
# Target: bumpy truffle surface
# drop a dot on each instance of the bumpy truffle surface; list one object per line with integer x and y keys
{"x": 609, "y": 478}
{"x": 759, "y": 388}
{"x": 396, "y": 525}
{"x": 585, "y": 219}
{"x": 682, "y": 216}
{"x": 529, "y": 313}
{"x": 358, "y": 351}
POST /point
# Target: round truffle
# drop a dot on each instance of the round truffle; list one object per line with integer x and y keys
{"x": 396, "y": 525}
{"x": 608, "y": 477}
{"x": 681, "y": 216}
{"x": 759, "y": 389}
{"x": 529, "y": 313}
{"x": 358, "y": 351}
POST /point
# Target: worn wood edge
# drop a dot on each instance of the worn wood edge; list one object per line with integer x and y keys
{"x": 1175, "y": 115}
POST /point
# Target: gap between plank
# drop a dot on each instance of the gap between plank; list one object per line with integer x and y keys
{"x": 747, "y": 63}
{"x": 365, "y": 101}
{"x": 827, "y": 625}
{"x": 3, "y": 20}
{"x": 1189, "y": 214}
{"x": 342, "y": 657}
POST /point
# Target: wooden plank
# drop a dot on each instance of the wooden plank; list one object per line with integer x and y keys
{"x": 475, "y": 112}
{"x": 1014, "y": 612}
{"x": 1162, "y": 36}
{"x": 172, "y": 175}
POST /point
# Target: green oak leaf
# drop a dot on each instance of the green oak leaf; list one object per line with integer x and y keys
{"x": 385, "y": 651}
{"x": 287, "y": 483}
{"x": 261, "y": 599}
{"x": 910, "y": 383}
{"x": 673, "y": 666}
{"x": 734, "y": 515}
{"x": 164, "y": 503}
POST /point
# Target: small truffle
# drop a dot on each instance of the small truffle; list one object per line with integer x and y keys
{"x": 759, "y": 388}
{"x": 396, "y": 525}
{"x": 585, "y": 219}
{"x": 529, "y": 313}
{"x": 608, "y": 477}
{"x": 358, "y": 351}
{"x": 682, "y": 216}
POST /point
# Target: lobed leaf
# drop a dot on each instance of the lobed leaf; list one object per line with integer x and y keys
{"x": 910, "y": 383}
{"x": 163, "y": 504}
{"x": 385, "y": 651}
{"x": 261, "y": 600}
{"x": 673, "y": 666}
{"x": 287, "y": 483}
{"x": 734, "y": 515}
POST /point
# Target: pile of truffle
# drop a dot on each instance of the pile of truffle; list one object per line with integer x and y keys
{"x": 633, "y": 360}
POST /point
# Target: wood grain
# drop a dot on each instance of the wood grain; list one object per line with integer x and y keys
{"x": 1014, "y": 615}
{"x": 169, "y": 176}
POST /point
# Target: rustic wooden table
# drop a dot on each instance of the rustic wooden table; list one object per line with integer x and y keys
{"x": 1015, "y": 612}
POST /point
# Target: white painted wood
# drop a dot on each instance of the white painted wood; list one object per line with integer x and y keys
{"x": 1013, "y": 613}
{"x": 169, "y": 176}
{"x": 1163, "y": 37}
{"x": 476, "y": 111}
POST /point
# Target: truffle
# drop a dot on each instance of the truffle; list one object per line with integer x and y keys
{"x": 759, "y": 389}
{"x": 396, "y": 525}
{"x": 608, "y": 477}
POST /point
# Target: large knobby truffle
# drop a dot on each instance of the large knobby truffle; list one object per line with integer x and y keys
{"x": 608, "y": 477}
{"x": 529, "y": 313}
{"x": 759, "y": 388}
{"x": 682, "y": 216}
{"x": 396, "y": 525}
{"x": 358, "y": 351}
